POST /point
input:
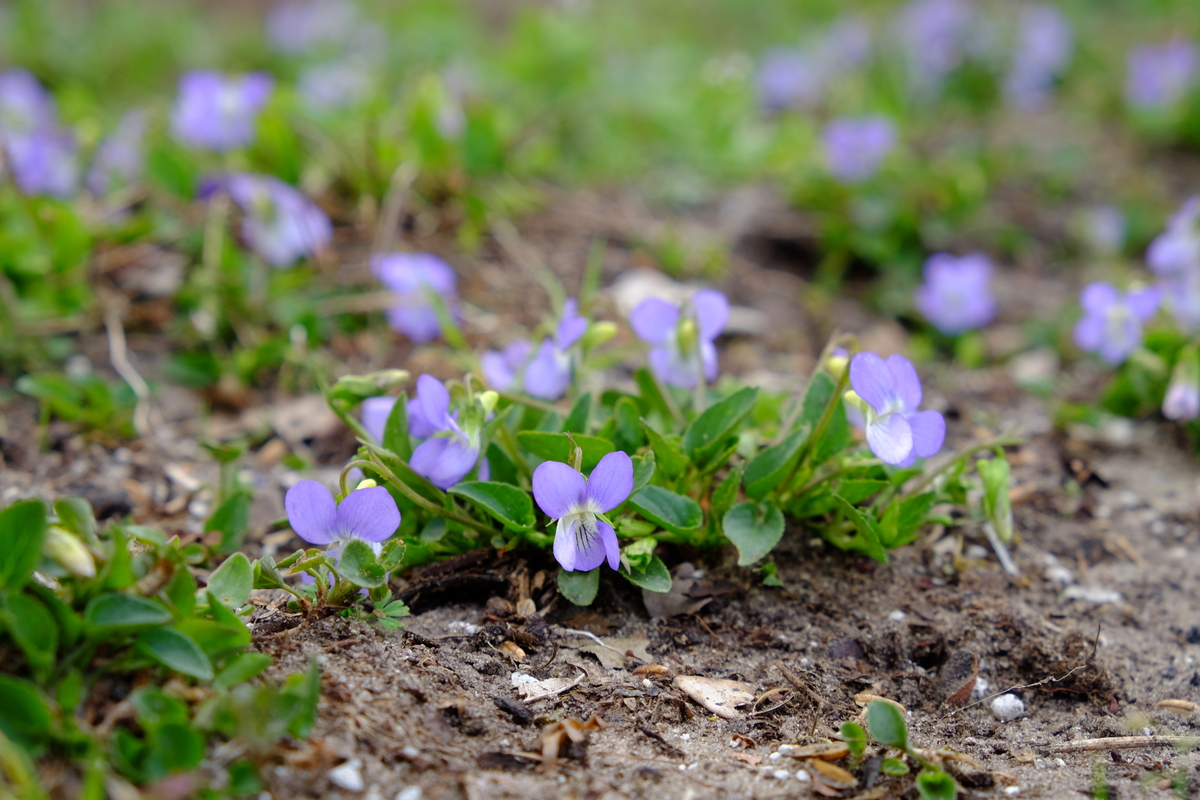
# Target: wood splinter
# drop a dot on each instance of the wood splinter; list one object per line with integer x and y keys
{"x": 1123, "y": 743}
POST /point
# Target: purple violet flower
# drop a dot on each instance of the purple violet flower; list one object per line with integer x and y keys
{"x": 583, "y": 538}
{"x": 957, "y": 293}
{"x": 297, "y": 26}
{"x": 855, "y": 146}
{"x": 280, "y": 224}
{"x": 682, "y": 339}
{"x": 1174, "y": 256}
{"x": 788, "y": 78}
{"x": 888, "y": 394}
{"x": 375, "y": 413}
{"x": 448, "y": 452}
{"x": 118, "y": 161}
{"x": 1182, "y": 401}
{"x": 413, "y": 277}
{"x": 1104, "y": 229}
{"x": 44, "y": 162}
{"x": 934, "y": 34}
{"x": 25, "y": 105}
{"x": 502, "y": 368}
{"x": 1112, "y": 320}
{"x": 549, "y": 374}
{"x": 1043, "y": 50}
{"x": 369, "y": 514}
{"x": 219, "y": 112}
{"x": 1160, "y": 75}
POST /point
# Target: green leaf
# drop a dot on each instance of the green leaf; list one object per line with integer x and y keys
{"x": 774, "y": 464}
{"x": 854, "y": 737}
{"x": 241, "y": 668}
{"x": 868, "y": 530}
{"x": 754, "y": 530}
{"x": 725, "y": 495}
{"x": 556, "y": 446}
{"x": 232, "y": 581}
{"x": 175, "y": 747}
{"x": 70, "y": 625}
{"x": 33, "y": 628}
{"x": 395, "y": 431}
{"x": 675, "y": 512}
{"x": 667, "y": 454}
{"x": 118, "y": 573}
{"x": 75, "y": 514}
{"x": 267, "y": 575}
{"x": 707, "y": 434}
{"x": 182, "y": 591}
{"x": 577, "y": 420}
{"x": 837, "y": 434}
{"x": 360, "y": 567}
{"x": 216, "y": 638}
{"x": 579, "y": 588}
{"x": 305, "y": 689}
{"x": 504, "y": 502}
{"x": 854, "y": 492}
{"x": 936, "y": 786}
{"x": 900, "y": 522}
{"x": 22, "y": 533}
{"x": 502, "y": 467}
{"x": 893, "y": 766}
{"x": 231, "y": 520}
{"x": 653, "y": 577}
{"x": 123, "y": 613}
{"x": 392, "y": 554}
{"x": 652, "y": 401}
{"x": 886, "y": 724}
{"x": 996, "y": 505}
{"x": 627, "y": 432}
{"x": 176, "y": 651}
{"x": 643, "y": 470}
{"x": 24, "y": 713}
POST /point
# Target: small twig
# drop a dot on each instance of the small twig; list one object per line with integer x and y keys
{"x": 1002, "y": 554}
{"x": 517, "y": 249}
{"x": 1123, "y": 743}
{"x": 356, "y": 303}
{"x": 1042, "y": 682}
{"x": 393, "y": 207}
{"x": 118, "y": 353}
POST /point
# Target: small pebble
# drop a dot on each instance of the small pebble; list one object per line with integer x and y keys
{"x": 775, "y": 756}
{"x": 518, "y": 678}
{"x": 781, "y": 774}
{"x": 975, "y": 552}
{"x": 462, "y": 626}
{"x": 1007, "y": 707}
{"x": 411, "y": 793}
{"x": 347, "y": 776}
{"x": 786, "y": 748}
{"x": 685, "y": 736}
{"x": 1060, "y": 574}
{"x": 1012, "y": 790}
{"x": 410, "y": 752}
{"x": 980, "y": 690}
{"x": 897, "y": 615}
{"x": 1092, "y": 594}
{"x": 1040, "y": 763}
{"x": 802, "y": 775}
{"x": 1058, "y": 762}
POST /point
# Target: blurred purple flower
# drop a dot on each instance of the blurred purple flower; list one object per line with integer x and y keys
{"x": 414, "y": 277}
{"x": 1104, "y": 229}
{"x": 855, "y": 146}
{"x": 296, "y": 26}
{"x": 549, "y": 374}
{"x": 1043, "y": 50}
{"x": 369, "y": 515}
{"x": 845, "y": 46}
{"x": 219, "y": 112}
{"x": 1182, "y": 401}
{"x": 682, "y": 339}
{"x": 118, "y": 161}
{"x": 957, "y": 293}
{"x": 44, "y": 161}
{"x": 375, "y": 413}
{"x": 1174, "y": 256}
{"x": 888, "y": 394}
{"x": 1159, "y": 76}
{"x": 1112, "y": 321}
{"x": 788, "y": 78}
{"x": 280, "y": 224}
{"x": 502, "y": 368}
{"x": 25, "y": 105}
{"x": 335, "y": 85}
{"x": 583, "y": 539}
{"x": 448, "y": 453}
{"x": 934, "y": 34}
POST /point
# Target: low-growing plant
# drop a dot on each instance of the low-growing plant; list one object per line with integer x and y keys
{"x": 886, "y": 726}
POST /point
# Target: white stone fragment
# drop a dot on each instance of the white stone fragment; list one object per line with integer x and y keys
{"x": 802, "y": 775}
{"x": 897, "y": 615}
{"x": 1012, "y": 790}
{"x": 1007, "y": 707}
{"x": 518, "y": 678}
{"x": 410, "y": 793}
{"x": 348, "y": 776}
{"x": 775, "y": 756}
{"x": 410, "y": 752}
{"x": 786, "y": 748}
{"x": 1092, "y": 594}
{"x": 981, "y": 688}
{"x": 781, "y": 774}
{"x": 1058, "y": 762}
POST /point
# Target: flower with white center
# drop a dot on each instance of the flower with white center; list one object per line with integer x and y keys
{"x": 369, "y": 514}
{"x": 1112, "y": 320}
{"x": 888, "y": 394}
{"x": 583, "y": 538}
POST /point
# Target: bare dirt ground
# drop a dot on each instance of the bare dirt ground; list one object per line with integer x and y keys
{"x": 1103, "y": 617}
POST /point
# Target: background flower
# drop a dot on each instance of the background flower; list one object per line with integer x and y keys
{"x": 1160, "y": 75}
{"x": 1112, "y": 320}
{"x": 281, "y": 224}
{"x": 581, "y": 541}
{"x": 219, "y": 112}
{"x": 1043, "y": 50}
{"x": 682, "y": 337}
{"x": 413, "y": 277}
{"x": 549, "y": 374}
{"x": 502, "y": 368}
{"x": 889, "y": 393}
{"x": 375, "y": 413}
{"x": 957, "y": 293}
{"x": 119, "y": 160}
{"x": 855, "y": 146}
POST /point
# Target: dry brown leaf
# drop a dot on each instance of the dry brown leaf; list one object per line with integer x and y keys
{"x": 721, "y": 697}
{"x": 512, "y": 650}
{"x": 1183, "y": 707}
{"x": 865, "y": 698}
{"x": 826, "y": 751}
{"x": 748, "y": 758}
{"x": 651, "y": 669}
{"x": 613, "y": 652}
{"x": 831, "y": 774}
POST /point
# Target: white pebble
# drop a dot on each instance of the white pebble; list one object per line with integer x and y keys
{"x": 897, "y": 615}
{"x": 410, "y": 752}
{"x": 1058, "y": 762}
{"x": 1092, "y": 595}
{"x": 802, "y": 775}
{"x": 1007, "y": 707}
{"x": 781, "y": 774}
{"x": 518, "y": 678}
{"x": 411, "y": 793}
{"x": 786, "y": 748}
{"x": 685, "y": 736}
{"x": 775, "y": 756}
{"x": 1012, "y": 790}
{"x": 347, "y": 776}
{"x": 981, "y": 688}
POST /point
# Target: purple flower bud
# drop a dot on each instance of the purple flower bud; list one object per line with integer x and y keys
{"x": 1112, "y": 321}
{"x": 375, "y": 413}
{"x": 1043, "y": 50}
{"x": 296, "y": 26}
{"x": 503, "y": 368}
{"x": 682, "y": 338}
{"x": 448, "y": 452}
{"x": 1182, "y": 401}
{"x": 219, "y": 112}
{"x": 369, "y": 515}
{"x": 957, "y": 293}
{"x": 118, "y": 161}
{"x": 44, "y": 161}
{"x": 281, "y": 225}
{"x": 855, "y": 146}
{"x": 1160, "y": 75}
{"x": 888, "y": 394}
{"x": 583, "y": 539}
{"x": 549, "y": 374}
{"x": 414, "y": 277}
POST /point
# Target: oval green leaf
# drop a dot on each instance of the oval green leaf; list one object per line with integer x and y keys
{"x": 886, "y": 725}
{"x": 754, "y": 530}
{"x": 232, "y": 581}
{"x": 502, "y": 501}
{"x": 22, "y": 531}
{"x": 675, "y": 512}
{"x": 708, "y": 431}
{"x": 360, "y": 567}
{"x": 579, "y": 587}
{"x": 116, "y": 613}
{"x": 653, "y": 577}
{"x": 176, "y": 651}
{"x": 556, "y": 446}
{"x": 774, "y": 464}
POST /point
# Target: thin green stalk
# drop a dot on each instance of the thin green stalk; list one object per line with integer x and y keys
{"x": 377, "y": 464}
{"x": 827, "y": 415}
{"x": 1000, "y": 440}
{"x": 532, "y": 402}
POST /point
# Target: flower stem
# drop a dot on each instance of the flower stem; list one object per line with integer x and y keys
{"x": 377, "y": 464}
{"x": 532, "y": 402}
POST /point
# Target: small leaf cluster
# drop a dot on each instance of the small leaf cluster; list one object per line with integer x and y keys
{"x": 886, "y": 726}
{"x": 87, "y": 614}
